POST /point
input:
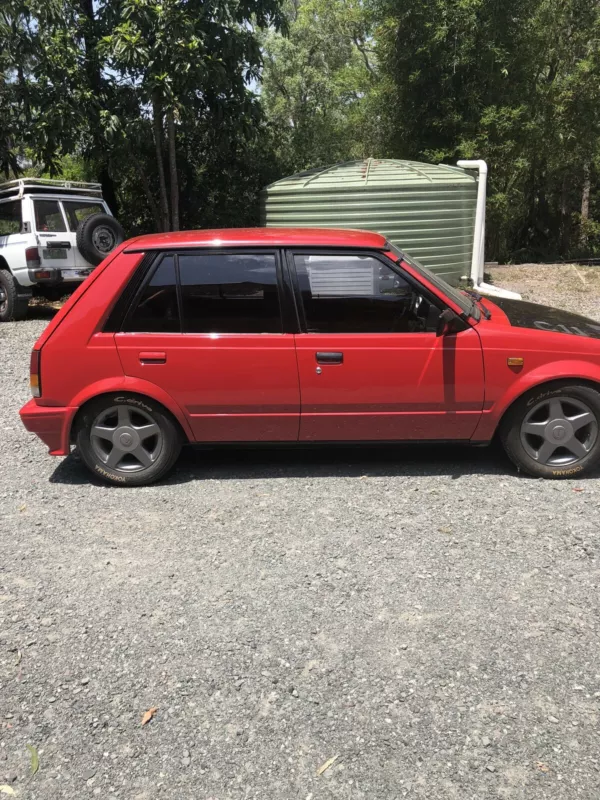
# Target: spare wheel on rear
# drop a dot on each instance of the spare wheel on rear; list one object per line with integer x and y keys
{"x": 97, "y": 235}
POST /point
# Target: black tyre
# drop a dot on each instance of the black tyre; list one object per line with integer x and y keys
{"x": 127, "y": 440}
{"x": 14, "y": 299}
{"x": 553, "y": 430}
{"x": 97, "y": 235}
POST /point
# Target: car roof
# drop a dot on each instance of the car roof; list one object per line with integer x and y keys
{"x": 259, "y": 237}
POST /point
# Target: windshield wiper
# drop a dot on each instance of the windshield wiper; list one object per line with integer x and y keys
{"x": 478, "y": 298}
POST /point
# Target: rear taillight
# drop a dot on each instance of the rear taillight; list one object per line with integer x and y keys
{"x": 32, "y": 257}
{"x": 35, "y": 381}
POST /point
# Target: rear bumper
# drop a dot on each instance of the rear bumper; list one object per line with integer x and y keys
{"x": 53, "y": 276}
{"x": 51, "y": 423}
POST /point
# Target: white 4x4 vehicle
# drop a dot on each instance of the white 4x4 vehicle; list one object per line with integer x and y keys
{"x": 52, "y": 235}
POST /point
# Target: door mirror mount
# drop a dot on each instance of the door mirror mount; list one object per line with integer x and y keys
{"x": 444, "y": 322}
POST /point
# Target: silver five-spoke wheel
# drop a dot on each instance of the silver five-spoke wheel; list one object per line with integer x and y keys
{"x": 126, "y": 439}
{"x": 559, "y": 431}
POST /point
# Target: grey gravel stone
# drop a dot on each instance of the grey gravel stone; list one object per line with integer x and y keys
{"x": 291, "y": 569}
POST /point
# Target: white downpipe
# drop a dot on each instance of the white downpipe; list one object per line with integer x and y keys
{"x": 477, "y": 270}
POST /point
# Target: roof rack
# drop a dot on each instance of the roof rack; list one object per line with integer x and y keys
{"x": 21, "y": 186}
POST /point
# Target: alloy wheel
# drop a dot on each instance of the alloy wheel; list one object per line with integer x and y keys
{"x": 126, "y": 439}
{"x": 559, "y": 431}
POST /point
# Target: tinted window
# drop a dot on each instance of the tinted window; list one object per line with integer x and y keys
{"x": 359, "y": 294}
{"x": 48, "y": 216}
{"x": 156, "y": 310}
{"x": 464, "y": 302}
{"x": 77, "y": 210}
{"x": 10, "y": 218}
{"x": 230, "y": 293}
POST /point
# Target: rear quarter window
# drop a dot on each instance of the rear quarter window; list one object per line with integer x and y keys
{"x": 156, "y": 309}
{"x": 10, "y": 218}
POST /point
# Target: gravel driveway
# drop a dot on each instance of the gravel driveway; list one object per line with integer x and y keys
{"x": 424, "y": 617}
{"x": 569, "y": 286}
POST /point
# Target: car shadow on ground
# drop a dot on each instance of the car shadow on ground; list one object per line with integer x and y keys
{"x": 196, "y": 464}
{"x": 43, "y": 311}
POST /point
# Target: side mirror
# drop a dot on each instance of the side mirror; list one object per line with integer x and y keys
{"x": 444, "y": 320}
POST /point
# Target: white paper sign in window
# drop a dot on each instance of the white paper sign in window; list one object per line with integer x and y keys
{"x": 339, "y": 276}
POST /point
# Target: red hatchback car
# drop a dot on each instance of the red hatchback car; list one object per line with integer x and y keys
{"x": 303, "y": 335}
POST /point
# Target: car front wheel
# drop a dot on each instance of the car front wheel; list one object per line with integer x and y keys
{"x": 553, "y": 431}
{"x": 127, "y": 440}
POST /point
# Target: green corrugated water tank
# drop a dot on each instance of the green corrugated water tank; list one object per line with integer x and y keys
{"x": 427, "y": 210}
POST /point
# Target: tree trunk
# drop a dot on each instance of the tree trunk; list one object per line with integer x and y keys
{"x": 108, "y": 188}
{"x": 173, "y": 179}
{"x": 584, "y": 206}
{"x": 154, "y": 209}
{"x": 564, "y": 226}
{"x": 95, "y": 83}
{"x": 157, "y": 121}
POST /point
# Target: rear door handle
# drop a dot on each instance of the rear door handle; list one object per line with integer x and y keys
{"x": 329, "y": 358}
{"x": 152, "y": 357}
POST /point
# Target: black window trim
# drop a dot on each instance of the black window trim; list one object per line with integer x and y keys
{"x": 377, "y": 254}
{"x": 130, "y": 293}
{"x": 152, "y": 270}
{"x": 118, "y": 319}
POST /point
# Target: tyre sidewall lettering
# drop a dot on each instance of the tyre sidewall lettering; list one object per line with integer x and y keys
{"x": 542, "y": 396}
{"x": 133, "y": 401}
{"x": 111, "y": 476}
{"x": 563, "y": 472}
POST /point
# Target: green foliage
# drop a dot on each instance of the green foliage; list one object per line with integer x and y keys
{"x": 124, "y": 85}
{"x": 185, "y": 109}
{"x": 316, "y": 81}
{"x": 515, "y": 83}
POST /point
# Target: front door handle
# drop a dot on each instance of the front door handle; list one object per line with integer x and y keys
{"x": 328, "y": 358}
{"x": 153, "y": 357}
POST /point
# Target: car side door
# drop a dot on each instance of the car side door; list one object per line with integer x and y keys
{"x": 371, "y": 364}
{"x": 207, "y": 327}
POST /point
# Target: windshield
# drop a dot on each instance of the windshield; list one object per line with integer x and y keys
{"x": 464, "y": 302}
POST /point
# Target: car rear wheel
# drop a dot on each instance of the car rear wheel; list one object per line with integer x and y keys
{"x": 14, "y": 300}
{"x": 127, "y": 441}
{"x": 553, "y": 431}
